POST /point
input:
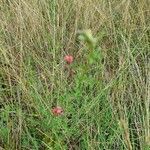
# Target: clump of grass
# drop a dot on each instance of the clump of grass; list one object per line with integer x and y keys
{"x": 103, "y": 92}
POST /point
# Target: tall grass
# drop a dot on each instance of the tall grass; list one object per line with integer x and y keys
{"x": 105, "y": 92}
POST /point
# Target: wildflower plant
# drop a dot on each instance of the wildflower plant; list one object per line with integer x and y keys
{"x": 92, "y": 56}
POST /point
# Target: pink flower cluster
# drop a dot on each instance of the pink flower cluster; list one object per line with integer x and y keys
{"x": 57, "y": 111}
{"x": 68, "y": 59}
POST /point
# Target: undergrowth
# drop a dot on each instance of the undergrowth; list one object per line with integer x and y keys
{"x": 103, "y": 93}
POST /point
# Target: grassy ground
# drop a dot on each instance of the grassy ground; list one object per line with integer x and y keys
{"x": 105, "y": 92}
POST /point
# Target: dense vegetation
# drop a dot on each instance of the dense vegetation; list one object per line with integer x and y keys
{"x": 97, "y": 97}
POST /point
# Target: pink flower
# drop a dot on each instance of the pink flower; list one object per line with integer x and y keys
{"x": 68, "y": 59}
{"x": 57, "y": 111}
